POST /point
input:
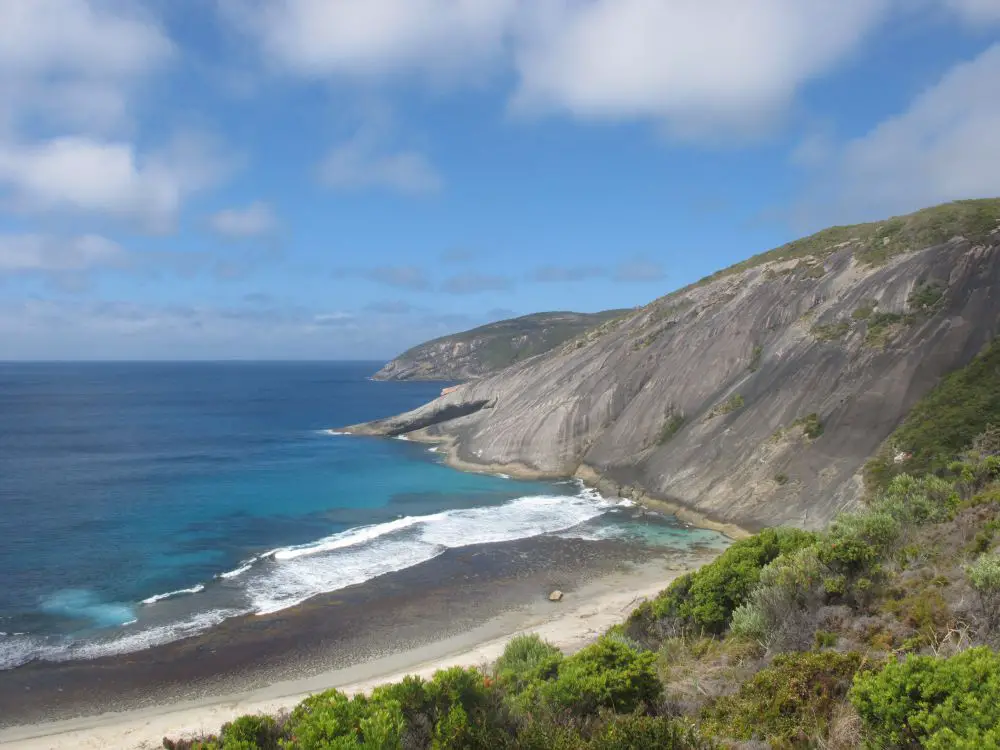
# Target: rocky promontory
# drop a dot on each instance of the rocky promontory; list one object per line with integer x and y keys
{"x": 755, "y": 396}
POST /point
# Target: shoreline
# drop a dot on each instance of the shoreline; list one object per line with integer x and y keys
{"x": 587, "y": 610}
{"x": 586, "y": 474}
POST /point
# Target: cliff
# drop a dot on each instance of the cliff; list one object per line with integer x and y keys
{"x": 755, "y": 396}
{"x": 490, "y": 348}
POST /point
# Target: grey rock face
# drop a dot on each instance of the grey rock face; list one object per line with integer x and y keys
{"x": 487, "y": 349}
{"x": 695, "y": 398}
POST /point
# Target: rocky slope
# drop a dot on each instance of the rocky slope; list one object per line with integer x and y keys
{"x": 489, "y": 348}
{"x": 755, "y": 396}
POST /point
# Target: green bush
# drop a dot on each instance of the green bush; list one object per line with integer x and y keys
{"x": 811, "y": 425}
{"x": 926, "y": 297}
{"x": 250, "y": 733}
{"x": 606, "y": 674}
{"x": 984, "y": 577}
{"x": 639, "y": 732}
{"x": 332, "y": 721}
{"x": 703, "y": 601}
{"x": 670, "y": 428}
{"x": 944, "y": 422}
{"x": 940, "y": 704}
{"x": 788, "y": 704}
{"x": 755, "y": 356}
{"x": 831, "y": 331}
{"x": 525, "y": 660}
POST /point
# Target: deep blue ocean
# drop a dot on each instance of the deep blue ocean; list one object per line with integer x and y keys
{"x": 143, "y": 502}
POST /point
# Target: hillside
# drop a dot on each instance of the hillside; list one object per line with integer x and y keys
{"x": 490, "y": 348}
{"x": 878, "y": 632}
{"x": 755, "y": 396}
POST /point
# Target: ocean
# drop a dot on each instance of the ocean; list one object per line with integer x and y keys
{"x": 141, "y": 503}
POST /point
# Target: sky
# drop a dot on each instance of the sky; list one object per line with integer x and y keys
{"x": 343, "y": 179}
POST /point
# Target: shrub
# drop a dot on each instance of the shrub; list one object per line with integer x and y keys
{"x": 755, "y": 357}
{"x": 984, "y": 577}
{"x": 525, "y": 660}
{"x": 880, "y": 328}
{"x": 731, "y": 404}
{"x": 926, "y": 297}
{"x": 670, "y": 428}
{"x": 864, "y": 311}
{"x": 781, "y": 478}
{"x": 331, "y": 720}
{"x": 606, "y": 674}
{"x": 638, "y": 732}
{"x": 941, "y": 704}
{"x": 457, "y": 686}
{"x": 787, "y": 704}
{"x": 811, "y": 425}
{"x": 251, "y": 732}
{"x": 703, "y": 601}
{"x": 831, "y": 331}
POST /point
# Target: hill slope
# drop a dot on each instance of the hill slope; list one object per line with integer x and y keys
{"x": 490, "y": 348}
{"x": 755, "y": 396}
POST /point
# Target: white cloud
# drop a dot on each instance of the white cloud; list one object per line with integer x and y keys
{"x": 86, "y": 175}
{"x": 976, "y": 11}
{"x": 639, "y": 270}
{"x": 375, "y": 38}
{"x": 252, "y": 221}
{"x": 363, "y": 162}
{"x": 35, "y": 253}
{"x": 701, "y": 66}
{"x": 943, "y": 147}
{"x": 75, "y": 61}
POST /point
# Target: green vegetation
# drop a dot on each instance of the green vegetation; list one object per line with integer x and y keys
{"x": 878, "y": 632}
{"x": 864, "y": 311}
{"x": 811, "y": 425}
{"x": 881, "y": 327}
{"x": 926, "y": 297}
{"x": 831, "y": 331}
{"x": 781, "y": 478}
{"x": 755, "y": 357}
{"x": 703, "y": 601}
{"x": 731, "y": 404}
{"x": 792, "y": 700}
{"x": 936, "y": 430}
{"x": 671, "y": 427}
{"x": 877, "y": 242}
{"x": 942, "y": 704}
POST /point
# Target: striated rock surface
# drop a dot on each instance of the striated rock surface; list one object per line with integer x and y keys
{"x": 489, "y": 348}
{"x": 754, "y": 397}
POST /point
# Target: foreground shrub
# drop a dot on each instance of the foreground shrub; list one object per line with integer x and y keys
{"x": 526, "y": 659}
{"x": 251, "y": 732}
{"x": 638, "y": 732}
{"x": 984, "y": 577}
{"x": 703, "y": 601}
{"x": 941, "y": 704}
{"x": 331, "y": 721}
{"x": 789, "y": 704}
{"x": 606, "y": 674}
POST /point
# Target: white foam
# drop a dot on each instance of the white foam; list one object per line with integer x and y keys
{"x": 333, "y": 432}
{"x": 626, "y": 503}
{"x": 433, "y": 449}
{"x": 400, "y": 437}
{"x": 170, "y": 594}
{"x": 502, "y": 476}
{"x": 296, "y": 574}
{"x": 349, "y": 538}
{"x": 238, "y": 571}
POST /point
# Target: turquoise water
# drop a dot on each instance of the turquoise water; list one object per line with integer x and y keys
{"x": 145, "y": 502}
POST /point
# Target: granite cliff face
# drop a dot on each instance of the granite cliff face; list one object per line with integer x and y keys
{"x": 754, "y": 397}
{"x": 490, "y": 348}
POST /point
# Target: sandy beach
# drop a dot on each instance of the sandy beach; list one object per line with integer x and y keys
{"x": 605, "y": 591}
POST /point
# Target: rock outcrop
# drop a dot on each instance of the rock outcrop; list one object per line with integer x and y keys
{"x": 490, "y": 348}
{"x": 755, "y": 396}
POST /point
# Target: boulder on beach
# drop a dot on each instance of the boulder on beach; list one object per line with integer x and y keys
{"x": 556, "y": 596}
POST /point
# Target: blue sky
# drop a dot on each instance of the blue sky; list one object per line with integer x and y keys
{"x": 190, "y": 179}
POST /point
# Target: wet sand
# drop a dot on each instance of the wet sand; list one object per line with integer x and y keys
{"x": 454, "y": 607}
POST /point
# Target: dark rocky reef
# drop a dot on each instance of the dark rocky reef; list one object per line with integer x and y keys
{"x": 754, "y": 397}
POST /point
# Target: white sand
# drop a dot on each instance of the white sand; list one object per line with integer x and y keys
{"x": 577, "y": 620}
